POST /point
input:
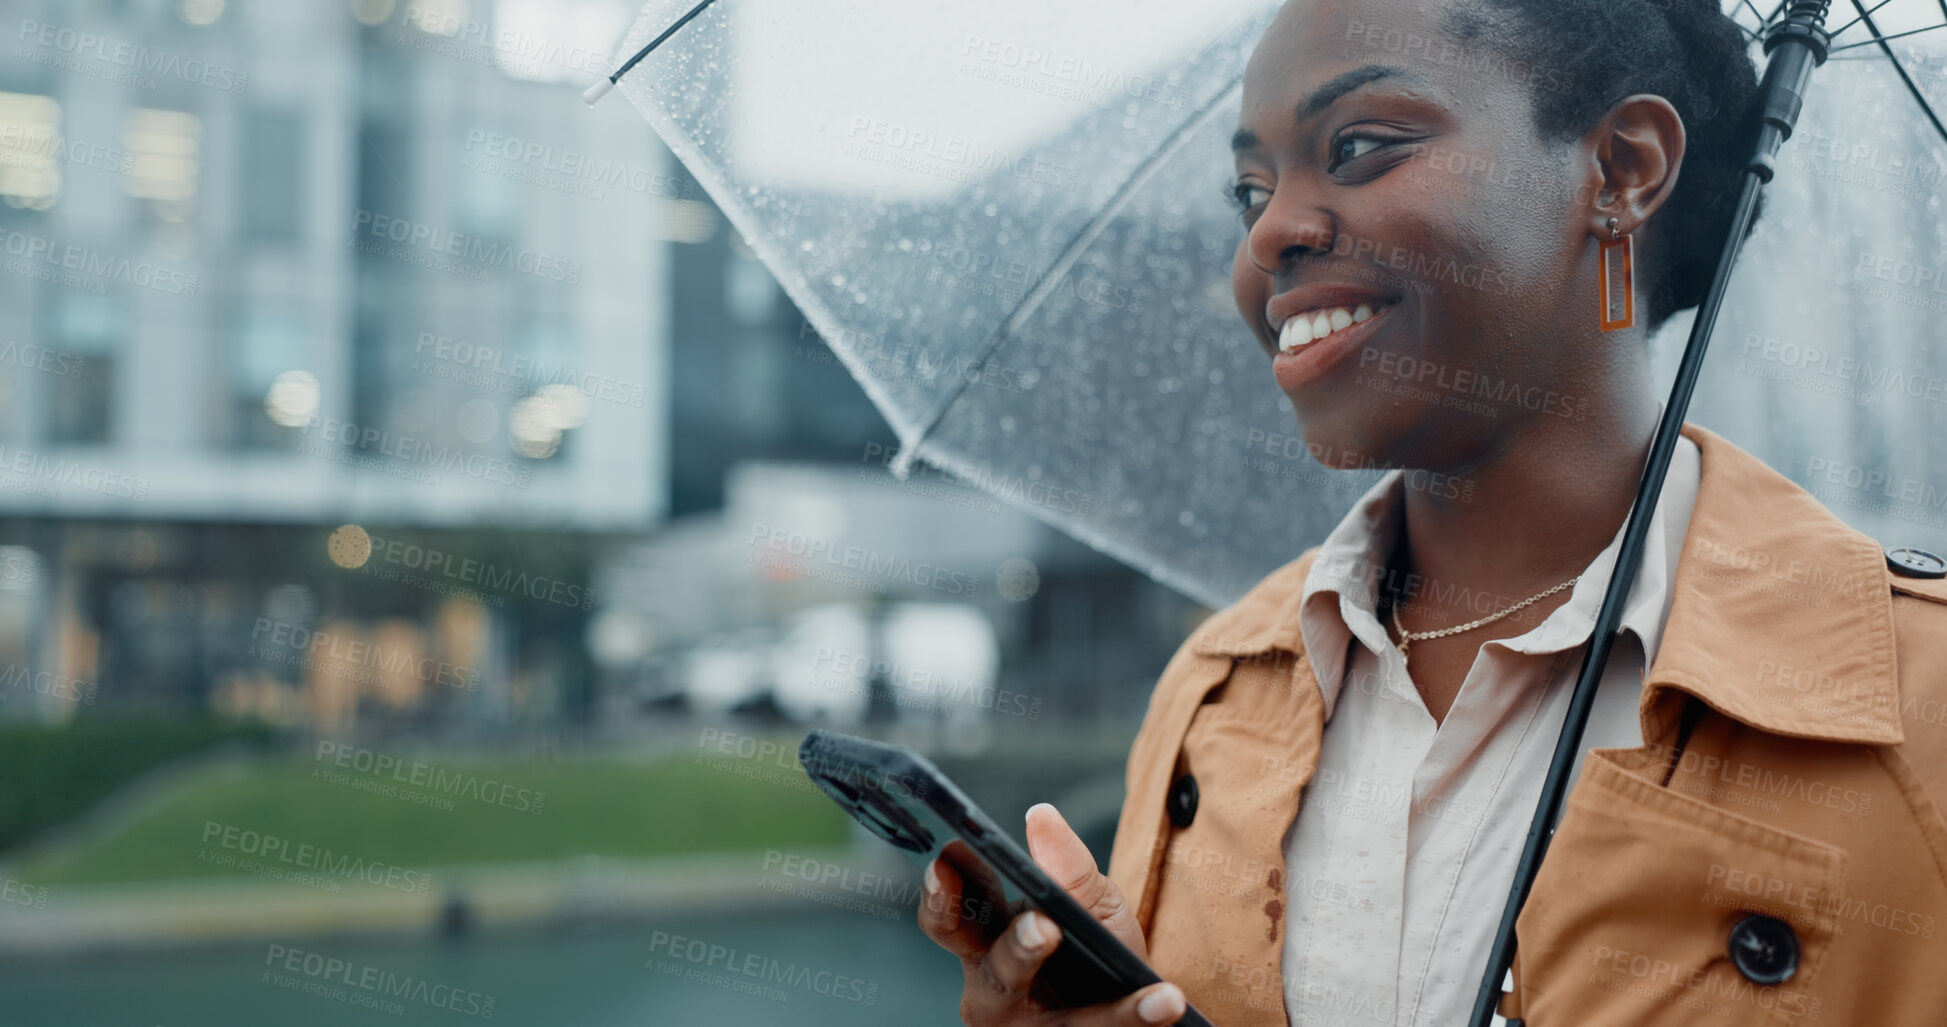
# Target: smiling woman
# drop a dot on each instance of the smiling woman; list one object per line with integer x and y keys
{"x": 1455, "y": 212}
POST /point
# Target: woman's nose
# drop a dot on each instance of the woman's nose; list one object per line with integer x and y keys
{"x": 1289, "y": 228}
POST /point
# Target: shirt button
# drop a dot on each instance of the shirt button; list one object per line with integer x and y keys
{"x": 1915, "y": 563}
{"x": 1183, "y": 801}
{"x": 1764, "y": 949}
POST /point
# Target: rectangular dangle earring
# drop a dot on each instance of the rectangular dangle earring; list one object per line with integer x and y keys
{"x": 1617, "y": 281}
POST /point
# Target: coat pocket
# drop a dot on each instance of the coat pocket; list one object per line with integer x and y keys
{"x": 1653, "y": 908}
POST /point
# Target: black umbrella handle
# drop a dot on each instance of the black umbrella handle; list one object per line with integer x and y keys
{"x": 1796, "y": 45}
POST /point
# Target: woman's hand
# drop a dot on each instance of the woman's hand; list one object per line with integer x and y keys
{"x": 1000, "y": 971}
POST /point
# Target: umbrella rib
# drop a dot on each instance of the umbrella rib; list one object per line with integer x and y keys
{"x": 658, "y": 41}
{"x": 1052, "y": 279}
{"x": 1862, "y": 15}
{"x": 1896, "y": 35}
{"x": 1911, "y": 87}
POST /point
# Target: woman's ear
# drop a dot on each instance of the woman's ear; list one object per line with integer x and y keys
{"x": 1636, "y": 151}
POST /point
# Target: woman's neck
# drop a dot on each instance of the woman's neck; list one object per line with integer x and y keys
{"x": 1532, "y": 515}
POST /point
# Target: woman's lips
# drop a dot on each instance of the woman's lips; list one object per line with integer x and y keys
{"x": 1306, "y": 362}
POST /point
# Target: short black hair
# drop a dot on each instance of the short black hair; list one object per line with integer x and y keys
{"x": 1599, "y": 51}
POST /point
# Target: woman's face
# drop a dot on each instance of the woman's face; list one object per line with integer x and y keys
{"x": 1392, "y": 173}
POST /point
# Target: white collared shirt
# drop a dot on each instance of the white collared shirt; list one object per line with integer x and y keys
{"x": 1400, "y": 858}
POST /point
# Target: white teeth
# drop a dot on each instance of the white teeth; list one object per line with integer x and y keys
{"x": 1311, "y": 326}
{"x": 1297, "y": 332}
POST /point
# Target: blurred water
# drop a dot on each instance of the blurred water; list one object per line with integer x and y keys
{"x": 589, "y": 979}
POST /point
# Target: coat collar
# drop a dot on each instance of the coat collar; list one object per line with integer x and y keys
{"x": 1781, "y": 617}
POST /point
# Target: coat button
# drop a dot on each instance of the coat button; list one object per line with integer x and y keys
{"x": 1765, "y": 949}
{"x": 1183, "y": 801}
{"x": 1916, "y": 563}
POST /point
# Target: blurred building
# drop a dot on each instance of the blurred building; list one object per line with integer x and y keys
{"x": 273, "y": 269}
{"x": 346, "y": 359}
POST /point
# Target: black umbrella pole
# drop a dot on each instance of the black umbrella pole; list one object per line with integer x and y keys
{"x": 1796, "y": 44}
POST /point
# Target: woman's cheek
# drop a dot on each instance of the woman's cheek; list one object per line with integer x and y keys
{"x": 1247, "y": 285}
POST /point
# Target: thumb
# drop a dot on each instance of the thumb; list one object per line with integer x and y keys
{"x": 1060, "y": 852}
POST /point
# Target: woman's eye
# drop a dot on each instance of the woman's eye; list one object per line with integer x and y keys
{"x": 1245, "y": 196}
{"x": 1346, "y": 147}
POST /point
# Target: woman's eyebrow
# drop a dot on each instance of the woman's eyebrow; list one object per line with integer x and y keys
{"x": 1330, "y": 93}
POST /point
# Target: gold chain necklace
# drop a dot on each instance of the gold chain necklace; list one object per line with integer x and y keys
{"x": 1407, "y": 638}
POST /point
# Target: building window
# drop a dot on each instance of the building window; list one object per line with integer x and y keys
{"x": 273, "y": 154}
{"x": 165, "y": 156}
{"x": 272, "y": 392}
{"x": 30, "y": 151}
{"x": 79, "y": 408}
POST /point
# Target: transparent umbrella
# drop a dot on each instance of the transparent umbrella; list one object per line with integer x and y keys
{"x": 1007, "y": 219}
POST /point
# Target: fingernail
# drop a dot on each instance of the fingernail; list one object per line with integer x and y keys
{"x": 1029, "y": 931}
{"x": 1163, "y": 1005}
{"x": 932, "y": 880}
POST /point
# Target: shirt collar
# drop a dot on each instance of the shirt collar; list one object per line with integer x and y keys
{"x": 1338, "y": 600}
{"x": 1767, "y": 585}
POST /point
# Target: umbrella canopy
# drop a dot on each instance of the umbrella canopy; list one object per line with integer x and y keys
{"x": 1008, "y": 219}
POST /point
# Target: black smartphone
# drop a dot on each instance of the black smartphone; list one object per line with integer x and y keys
{"x": 902, "y": 797}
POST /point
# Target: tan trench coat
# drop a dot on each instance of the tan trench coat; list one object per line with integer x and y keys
{"x": 1796, "y": 712}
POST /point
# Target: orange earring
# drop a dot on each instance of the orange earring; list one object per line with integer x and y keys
{"x": 1617, "y": 280}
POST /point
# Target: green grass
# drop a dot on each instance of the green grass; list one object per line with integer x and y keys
{"x": 599, "y": 807}
{"x": 49, "y": 775}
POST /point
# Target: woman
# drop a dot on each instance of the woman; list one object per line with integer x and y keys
{"x": 1334, "y": 776}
